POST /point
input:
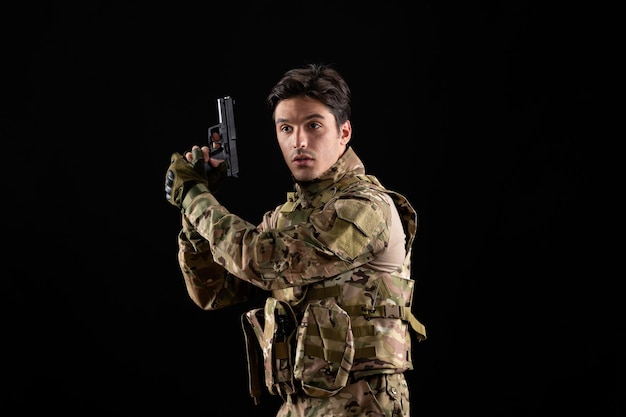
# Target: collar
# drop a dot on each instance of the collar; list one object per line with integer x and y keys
{"x": 348, "y": 165}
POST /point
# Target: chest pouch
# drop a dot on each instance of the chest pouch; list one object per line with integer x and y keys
{"x": 325, "y": 349}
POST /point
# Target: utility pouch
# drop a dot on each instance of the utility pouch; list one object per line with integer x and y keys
{"x": 325, "y": 349}
{"x": 274, "y": 327}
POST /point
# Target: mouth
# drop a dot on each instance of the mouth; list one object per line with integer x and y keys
{"x": 302, "y": 160}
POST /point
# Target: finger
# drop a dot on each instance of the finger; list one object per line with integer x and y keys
{"x": 189, "y": 154}
{"x": 206, "y": 151}
{"x": 197, "y": 155}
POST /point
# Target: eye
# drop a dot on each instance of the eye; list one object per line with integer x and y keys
{"x": 315, "y": 125}
{"x": 285, "y": 128}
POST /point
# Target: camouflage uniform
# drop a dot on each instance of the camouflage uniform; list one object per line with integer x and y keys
{"x": 334, "y": 333}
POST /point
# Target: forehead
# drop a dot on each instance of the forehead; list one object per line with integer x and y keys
{"x": 298, "y": 107}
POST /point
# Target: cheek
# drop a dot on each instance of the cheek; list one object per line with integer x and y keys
{"x": 284, "y": 147}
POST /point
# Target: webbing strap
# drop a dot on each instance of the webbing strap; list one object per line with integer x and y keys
{"x": 323, "y": 292}
{"x": 335, "y": 333}
{"x": 390, "y": 312}
{"x": 337, "y": 355}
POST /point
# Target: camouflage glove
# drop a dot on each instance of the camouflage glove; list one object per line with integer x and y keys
{"x": 184, "y": 180}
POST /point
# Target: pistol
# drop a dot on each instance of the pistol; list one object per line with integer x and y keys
{"x": 223, "y": 136}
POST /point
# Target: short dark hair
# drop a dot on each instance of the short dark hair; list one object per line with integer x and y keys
{"x": 317, "y": 81}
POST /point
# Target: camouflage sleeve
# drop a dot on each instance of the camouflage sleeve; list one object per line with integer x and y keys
{"x": 345, "y": 235}
{"x": 208, "y": 284}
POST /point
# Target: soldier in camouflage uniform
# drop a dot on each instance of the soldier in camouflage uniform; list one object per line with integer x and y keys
{"x": 333, "y": 337}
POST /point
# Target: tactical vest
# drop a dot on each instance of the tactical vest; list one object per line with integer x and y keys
{"x": 317, "y": 337}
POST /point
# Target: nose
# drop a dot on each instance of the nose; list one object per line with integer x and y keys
{"x": 300, "y": 139}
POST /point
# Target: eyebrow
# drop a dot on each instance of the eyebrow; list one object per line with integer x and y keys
{"x": 309, "y": 117}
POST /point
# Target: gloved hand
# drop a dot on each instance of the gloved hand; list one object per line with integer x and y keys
{"x": 214, "y": 163}
{"x": 185, "y": 180}
{"x": 216, "y": 175}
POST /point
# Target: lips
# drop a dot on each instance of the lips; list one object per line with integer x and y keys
{"x": 301, "y": 159}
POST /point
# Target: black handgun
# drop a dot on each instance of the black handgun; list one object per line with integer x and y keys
{"x": 223, "y": 136}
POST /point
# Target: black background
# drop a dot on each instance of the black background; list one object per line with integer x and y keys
{"x": 482, "y": 113}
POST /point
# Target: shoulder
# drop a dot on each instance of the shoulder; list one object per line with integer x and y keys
{"x": 354, "y": 224}
{"x": 362, "y": 205}
{"x": 364, "y": 189}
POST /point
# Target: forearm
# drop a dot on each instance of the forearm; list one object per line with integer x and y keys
{"x": 208, "y": 284}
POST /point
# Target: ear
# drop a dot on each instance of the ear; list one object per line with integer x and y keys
{"x": 346, "y": 132}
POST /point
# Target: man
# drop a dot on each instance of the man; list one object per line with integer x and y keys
{"x": 334, "y": 260}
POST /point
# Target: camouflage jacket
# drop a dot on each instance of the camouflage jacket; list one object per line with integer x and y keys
{"x": 321, "y": 244}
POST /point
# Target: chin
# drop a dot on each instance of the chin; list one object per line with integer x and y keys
{"x": 303, "y": 176}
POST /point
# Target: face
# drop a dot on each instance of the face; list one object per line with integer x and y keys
{"x": 308, "y": 137}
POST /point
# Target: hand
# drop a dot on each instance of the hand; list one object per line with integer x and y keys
{"x": 198, "y": 157}
{"x": 214, "y": 165}
{"x": 183, "y": 176}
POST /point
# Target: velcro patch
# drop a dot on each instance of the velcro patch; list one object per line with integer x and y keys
{"x": 361, "y": 214}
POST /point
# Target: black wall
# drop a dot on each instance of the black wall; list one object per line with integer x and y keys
{"x": 482, "y": 113}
